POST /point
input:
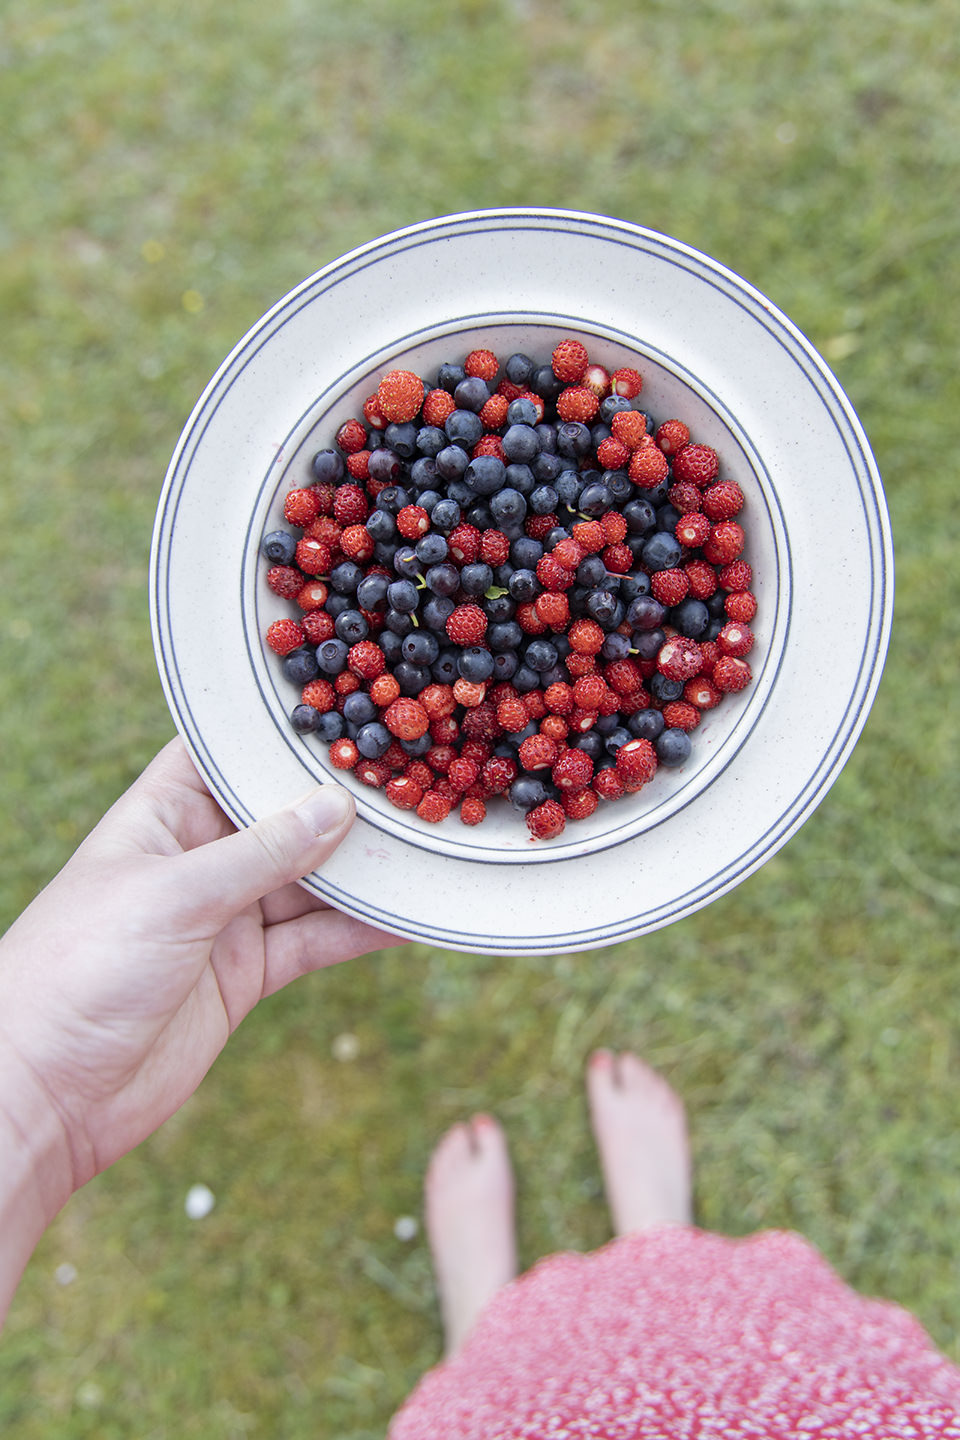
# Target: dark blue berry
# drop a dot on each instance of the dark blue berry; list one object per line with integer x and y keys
{"x": 332, "y": 656}
{"x": 300, "y": 666}
{"x": 691, "y": 618}
{"x": 452, "y": 461}
{"x": 328, "y": 467}
{"x": 431, "y": 549}
{"x": 595, "y": 499}
{"x": 573, "y": 439}
{"x": 475, "y": 664}
{"x": 420, "y": 647}
{"x": 402, "y": 595}
{"x": 504, "y": 635}
{"x": 384, "y": 465}
{"x": 345, "y": 577}
{"x": 521, "y": 443}
{"x": 279, "y": 547}
{"x": 358, "y": 708}
{"x": 673, "y": 747}
{"x": 540, "y": 654}
{"x": 443, "y": 579}
{"x": 445, "y": 515}
{"x": 381, "y": 524}
{"x": 648, "y": 643}
{"x": 640, "y": 516}
{"x": 646, "y": 724}
{"x": 662, "y": 551}
{"x": 472, "y": 393}
{"x": 526, "y": 792}
{"x": 436, "y": 612}
{"x": 373, "y": 740}
{"x": 485, "y": 475}
{"x": 523, "y": 585}
{"x": 463, "y": 428}
{"x": 304, "y": 719}
{"x": 449, "y": 377}
{"x": 411, "y": 678}
{"x": 351, "y": 626}
{"x": 518, "y": 368}
{"x": 664, "y": 689}
{"x": 402, "y": 439}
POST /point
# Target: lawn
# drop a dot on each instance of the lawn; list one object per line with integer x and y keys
{"x": 169, "y": 172}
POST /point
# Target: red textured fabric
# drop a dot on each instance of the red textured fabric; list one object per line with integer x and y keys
{"x": 679, "y": 1333}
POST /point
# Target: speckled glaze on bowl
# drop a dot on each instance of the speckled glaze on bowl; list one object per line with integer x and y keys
{"x": 714, "y": 353}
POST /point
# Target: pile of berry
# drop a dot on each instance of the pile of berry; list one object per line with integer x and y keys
{"x": 513, "y": 583}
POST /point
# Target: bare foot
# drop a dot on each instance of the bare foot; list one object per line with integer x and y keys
{"x": 470, "y": 1222}
{"x": 641, "y": 1132}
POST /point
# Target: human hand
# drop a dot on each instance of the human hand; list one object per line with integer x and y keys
{"x": 122, "y": 981}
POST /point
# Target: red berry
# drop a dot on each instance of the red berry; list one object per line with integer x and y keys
{"x": 406, "y": 718}
{"x": 320, "y": 694}
{"x": 741, "y": 605}
{"x": 494, "y": 547}
{"x": 538, "y": 752}
{"x": 573, "y": 770}
{"x": 350, "y": 506}
{"x": 404, "y": 792}
{"x": 685, "y": 497}
{"x": 434, "y": 807}
{"x": 679, "y": 658}
{"x": 669, "y": 586}
{"x": 558, "y": 698}
{"x": 731, "y": 674}
{"x": 552, "y": 575}
{"x": 614, "y": 527}
{"x": 701, "y": 692}
{"x": 681, "y": 715}
{"x": 618, "y": 559}
{"x": 313, "y": 557}
{"x": 372, "y": 414}
{"x": 343, "y": 754}
{"x": 586, "y": 636}
{"x": 725, "y": 543}
{"x": 626, "y": 382}
{"x": 463, "y": 544}
{"x": 462, "y": 773}
{"x": 570, "y": 360}
{"x": 469, "y": 692}
{"x": 301, "y": 506}
{"x": 399, "y": 396}
{"x": 597, "y": 379}
{"x": 692, "y": 530}
{"x": 589, "y": 535}
{"x": 547, "y": 820}
{"x": 413, "y": 522}
{"x": 702, "y": 577}
{"x": 366, "y": 659}
{"x": 568, "y": 553}
{"x": 351, "y": 437}
{"x": 723, "y": 500}
{"x": 356, "y": 542}
{"x": 579, "y": 804}
{"x": 438, "y": 406}
{"x": 499, "y": 773}
{"x": 317, "y": 626}
{"x": 648, "y": 467}
{"x": 671, "y": 436}
{"x": 553, "y": 608}
{"x": 577, "y": 403}
{"x": 630, "y": 426}
{"x": 372, "y": 772}
{"x": 735, "y": 639}
{"x": 384, "y": 690}
{"x": 285, "y": 581}
{"x": 697, "y": 463}
{"x": 472, "y": 810}
{"x": 482, "y": 363}
{"x": 466, "y": 625}
{"x": 612, "y": 453}
{"x": 737, "y": 576}
{"x": 283, "y": 636}
{"x": 438, "y": 700}
{"x": 636, "y": 762}
{"x": 494, "y": 412}
{"x": 607, "y": 783}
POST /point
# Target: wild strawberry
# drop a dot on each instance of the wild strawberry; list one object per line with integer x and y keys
{"x": 697, "y": 463}
{"x": 614, "y": 527}
{"x": 358, "y": 465}
{"x": 438, "y": 406}
{"x": 356, "y": 542}
{"x": 478, "y": 750}
{"x": 626, "y": 382}
{"x": 692, "y": 530}
{"x": 406, "y": 718}
{"x": 343, "y": 754}
{"x": 671, "y": 436}
{"x": 630, "y": 426}
{"x": 618, "y": 559}
{"x": 469, "y": 692}
{"x": 482, "y": 363}
{"x": 466, "y": 625}
{"x": 555, "y": 727}
{"x": 538, "y": 527}
{"x": 462, "y": 773}
{"x": 301, "y": 506}
{"x": 569, "y": 360}
{"x": 472, "y": 810}
{"x": 384, "y": 690}
{"x": 589, "y": 692}
{"x": 444, "y": 730}
{"x": 350, "y": 505}
{"x": 709, "y": 655}
{"x": 553, "y": 608}
{"x": 679, "y": 658}
{"x": 589, "y": 535}
{"x": 731, "y": 673}
{"x": 494, "y": 547}
{"x": 480, "y": 723}
{"x": 723, "y": 500}
{"x": 586, "y": 636}
{"x": 326, "y": 530}
{"x": 372, "y": 413}
{"x": 283, "y": 636}
{"x": 534, "y": 704}
{"x": 622, "y": 676}
{"x": 577, "y": 403}
{"x": 489, "y": 445}
{"x": 648, "y": 467}
{"x": 702, "y": 578}
{"x": 736, "y": 576}
{"x": 669, "y": 586}
{"x": 499, "y": 773}
{"x": 681, "y": 715}
{"x": 573, "y": 770}
{"x": 685, "y": 497}
{"x": 725, "y": 543}
{"x": 607, "y": 783}
{"x": 366, "y": 659}
{"x": 400, "y": 396}
{"x": 636, "y": 762}
{"x": 434, "y": 807}
{"x": 440, "y": 758}
{"x": 535, "y": 400}
{"x": 552, "y": 575}
{"x": 597, "y": 379}
{"x": 351, "y": 437}
{"x": 438, "y": 700}
{"x": 612, "y": 453}
{"x": 558, "y": 698}
{"x": 372, "y": 772}
{"x": 582, "y": 720}
{"x": 320, "y": 694}
{"x": 741, "y": 605}
{"x": 420, "y": 772}
{"x": 701, "y": 692}
{"x": 317, "y": 626}
{"x": 579, "y": 804}
{"x": 494, "y": 412}
{"x": 538, "y": 752}
{"x": 312, "y": 557}
{"x": 735, "y": 639}
{"x": 285, "y": 581}
{"x": 412, "y": 522}
{"x": 568, "y": 552}
{"x": 404, "y": 792}
{"x": 528, "y": 619}
{"x": 463, "y": 544}
{"x": 345, "y": 684}
{"x": 547, "y": 820}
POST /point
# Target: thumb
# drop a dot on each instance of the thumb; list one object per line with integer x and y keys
{"x": 223, "y": 877}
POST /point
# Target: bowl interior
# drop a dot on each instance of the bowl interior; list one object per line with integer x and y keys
{"x": 670, "y": 391}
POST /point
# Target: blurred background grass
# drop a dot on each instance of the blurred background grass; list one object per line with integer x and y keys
{"x": 169, "y": 172}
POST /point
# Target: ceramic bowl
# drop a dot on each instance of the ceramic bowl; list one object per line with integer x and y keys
{"x": 714, "y": 353}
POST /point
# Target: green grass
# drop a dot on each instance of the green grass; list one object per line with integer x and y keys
{"x": 171, "y": 171}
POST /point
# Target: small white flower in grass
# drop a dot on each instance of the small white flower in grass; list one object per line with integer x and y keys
{"x": 345, "y": 1047}
{"x": 199, "y": 1202}
{"x": 65, "y": 1274}
{"x": 405, "y": 1227}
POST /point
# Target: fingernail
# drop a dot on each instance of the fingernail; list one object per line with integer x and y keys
{"x": 324, "y": 810}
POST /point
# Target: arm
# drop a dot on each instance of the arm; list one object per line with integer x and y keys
{"x": 122, "y": 981}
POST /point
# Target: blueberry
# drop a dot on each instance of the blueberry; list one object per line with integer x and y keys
{"x": 430, "y": 441}
{"x": 508, "y": 506}
{"x": 691, "y": 618}
{"x": 373, "y": 740}
{"x": 664, "y": 689}
{"x": 610, "y": 406}
{"x": 358, "y": 708}
{"x": 398, "y": 622}
{"x": 673, "y": 747}
{"x": 640, "y": 516}
{"x": 444, "y": 668}
{"x": 393, "y": 498}
{"x": 619, "y": 484}
{"x": 485, "y": 475}
{"x": 331, "y": 725}
{"x": 543, "y": 501}
{"x": 568, "y": 486}
{"x": 499, "y": 608}
{"x": 540, "y": 655}
{"x": 546, "y": 467}
{"x": 390, "y": 643}
{"x": 526, "y": 792}
{"x": 667, "y": 517}
{"x": 332, "y": 656}
{"x": 336, "y": 604}
{"x": 591, "y": 571}
{"x": 351, "y": 626}
{"x": 472, "y": 393}
{"x": 661, "y": 552}
{"x": 420, "y": 746}
{"x": 476, "y": 579}
{"x": 504, "y": 635}
{"x": 573, "y": 439}
{"x": 372, "y": 591}
{"x": 411, "y": 678}
{"x": 615, "y": 646}
{"x": 648, "y": 643}
{"x": 601, "y": 605}
{"x": 524, "y": 553}
{"x": 279, "y": 547}
{"x": 452, "y": 461}
{"x": 345, "y": 577}
{"x": 523, "y": 585}
{"x": 436, "y": 612}
{"x": 591, "y": 744}
{"x": 449, "y": 377}
{"x": 445, "y": 514}
{"x": 525, "y": 679}
{"x": 420, "y": 647}
{"x": 645, "y": 613}
{"x": 646, "y": 724}
{"x": 402, "y": 439}
{"x": 463, "y": 428}
{"x": 520, "y": 478}
{"x": 475, "y": 664}
{"x": 518, "y": 369}
{"x": 431, "y": 549}
{"x": 402, "y": 595}
{"x": 634, "y": 584}
{"x": 381, "y": 525}
{"x": 521, "y": 442}
{"x": 505, "y": 665}
{"x": 328, "y": 467}
{"x": 443, "y": 579}
{"x": 300, "y": 666}
{"x": 423, "y": 476}
{"x": 384, "y": 465}
{"x": 305, "y": 719}
{"x": 544, "y": 383}
{"x": 595, "y": 499}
